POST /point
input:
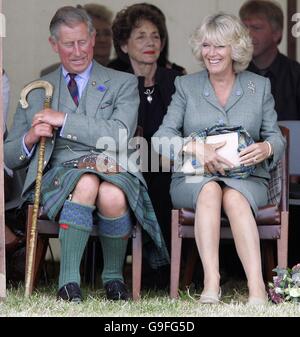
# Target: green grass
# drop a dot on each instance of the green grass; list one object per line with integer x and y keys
{"x": 153, "y": 304}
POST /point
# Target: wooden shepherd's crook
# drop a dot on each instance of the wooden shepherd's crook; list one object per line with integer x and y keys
{"x": 30, "y": 258}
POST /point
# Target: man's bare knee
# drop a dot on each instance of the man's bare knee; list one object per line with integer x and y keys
{"x": 86, "y": 190}
{"x": 111, "y": 200}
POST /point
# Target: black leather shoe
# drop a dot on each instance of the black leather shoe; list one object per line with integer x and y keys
{"x": 116, "y": 290}
{"x": 70, "y": 292}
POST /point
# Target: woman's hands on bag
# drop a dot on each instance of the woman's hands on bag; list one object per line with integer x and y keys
{"x": 208, "y": 157}
{"x": 255, "y": 154}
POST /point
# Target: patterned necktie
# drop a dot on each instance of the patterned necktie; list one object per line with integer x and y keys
{"x": 72, "y": 86}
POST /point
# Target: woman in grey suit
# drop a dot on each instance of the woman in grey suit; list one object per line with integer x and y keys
{"x": 224, "y": 93}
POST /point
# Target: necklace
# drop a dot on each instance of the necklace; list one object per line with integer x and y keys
{"x": 149, "y": 93}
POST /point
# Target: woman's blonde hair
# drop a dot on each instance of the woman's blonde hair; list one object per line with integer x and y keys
{"x": 224, "y": 30}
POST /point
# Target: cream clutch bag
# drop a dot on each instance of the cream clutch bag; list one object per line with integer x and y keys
{"x": 228, "y": 151}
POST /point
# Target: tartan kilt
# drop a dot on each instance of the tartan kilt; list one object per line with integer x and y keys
{"x": 59, "y": 182}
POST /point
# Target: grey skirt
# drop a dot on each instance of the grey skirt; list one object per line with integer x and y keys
{"x": 185, "y": 190}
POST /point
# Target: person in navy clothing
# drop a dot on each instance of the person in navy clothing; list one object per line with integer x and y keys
{"x": 139, "y": 35}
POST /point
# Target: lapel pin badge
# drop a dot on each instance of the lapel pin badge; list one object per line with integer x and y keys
{"x": 251, "y": 87}
{"x": 101, "y": 88}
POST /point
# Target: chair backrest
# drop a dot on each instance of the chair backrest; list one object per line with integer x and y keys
{"x": 294, "y": 157}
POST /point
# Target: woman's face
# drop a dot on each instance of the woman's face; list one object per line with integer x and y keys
{"x": 144, "y": 44}
{"x": 217, "y": 59}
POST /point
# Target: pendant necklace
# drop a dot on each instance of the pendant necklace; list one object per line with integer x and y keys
{"x": 149, "y": 93}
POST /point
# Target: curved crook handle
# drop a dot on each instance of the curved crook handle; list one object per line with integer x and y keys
{"x": 35, "y": 85}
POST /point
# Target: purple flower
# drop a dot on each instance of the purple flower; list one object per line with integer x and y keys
{"x": 296, "y": 278}
{"x": 296, "y": 268}
{"x": 277, "y": 280}
{"x": 275, "y": 298}
{"x": 286, "y": 285}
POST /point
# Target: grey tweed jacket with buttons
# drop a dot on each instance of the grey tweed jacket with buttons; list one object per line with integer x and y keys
{"x": 195, "y": 107}
{"x": 109, "y": 103}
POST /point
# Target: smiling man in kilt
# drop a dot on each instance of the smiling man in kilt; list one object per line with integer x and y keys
{"x": 90, "y": 102}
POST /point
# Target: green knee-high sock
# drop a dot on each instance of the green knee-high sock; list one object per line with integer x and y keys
{"x": 113, "y": 233}
{"x": 76, "y": 223}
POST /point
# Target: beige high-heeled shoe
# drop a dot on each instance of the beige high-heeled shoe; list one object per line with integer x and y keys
{"x": 210, "y": 297}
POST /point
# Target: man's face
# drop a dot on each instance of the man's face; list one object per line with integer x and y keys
{"x": 103, "y": 41}
{"x": 74, "y": 47}
{"x": 264, "y": 37}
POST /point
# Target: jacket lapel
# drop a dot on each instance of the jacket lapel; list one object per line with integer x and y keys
{"x": 97, "y": 87}
{"x": 54, "y": 79}
{"x": 236, "y": 94}
{"x": 62, "y": 99}
{"x": 209, "y": 95}
{"x": 142, "y": 106}
{"x": 66, "y": 103}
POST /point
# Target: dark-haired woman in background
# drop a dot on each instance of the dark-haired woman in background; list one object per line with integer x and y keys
{"x": 163, "y": 60}
{"x": 139, "y": 35}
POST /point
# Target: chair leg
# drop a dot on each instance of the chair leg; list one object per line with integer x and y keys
{"x": 175, "y": 255}
{"x": 89, "y": 263}
{"x": 136, "y": 262}
{"x": 41, "y": 250}
{"x": 192, "y": 258}
{"x": 282, "y": 243}
{"x": 94, "y": 252}
{"x": 84, "y": 264}
{"x": 268, "y": 259}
